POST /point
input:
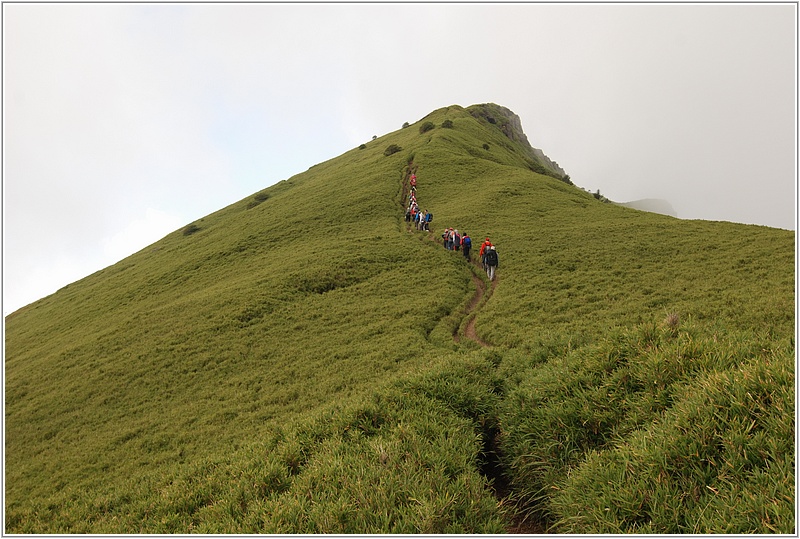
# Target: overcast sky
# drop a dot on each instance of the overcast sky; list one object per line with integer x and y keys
{"x": 124, "y": 122}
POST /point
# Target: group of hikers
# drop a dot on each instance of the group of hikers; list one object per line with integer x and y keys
{"x": 421, "y": 219}
{"x": 452, "y": 239}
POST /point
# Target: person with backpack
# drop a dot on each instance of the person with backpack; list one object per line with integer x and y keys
{"x": 466, "y": 245}
{"x": 482, "y": 252}
{"x": 456, "y": 240}
{"x": 410, "y": 211}
{"x": 490, "y": 261}
{"x": 484, "y": 245}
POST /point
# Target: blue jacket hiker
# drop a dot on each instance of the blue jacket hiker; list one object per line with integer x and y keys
{"x": 466, "y": 245}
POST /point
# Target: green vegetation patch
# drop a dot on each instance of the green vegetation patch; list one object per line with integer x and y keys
{"x": 396, "y": 461}
{"x": 655, "y": 431}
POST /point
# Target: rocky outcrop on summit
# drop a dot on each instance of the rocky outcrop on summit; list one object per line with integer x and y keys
{"x": 511, "y": 126}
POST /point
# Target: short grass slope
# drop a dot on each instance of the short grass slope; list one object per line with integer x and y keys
{"x": 287, "y": 364}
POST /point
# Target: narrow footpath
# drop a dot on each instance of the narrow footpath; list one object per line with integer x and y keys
{"x": 469, "y": 329}
{"x": 491, "y": 467}
{"x": 408, "y": 192}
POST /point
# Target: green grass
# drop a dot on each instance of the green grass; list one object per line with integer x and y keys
{"x": 637, "y": 433}
{"x": 400, "y": 460}
{"x": 289, "y": 366}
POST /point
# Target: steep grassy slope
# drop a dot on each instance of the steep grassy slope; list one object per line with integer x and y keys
{"x": 287, "y": 363}
{"x": 195, "y": 343}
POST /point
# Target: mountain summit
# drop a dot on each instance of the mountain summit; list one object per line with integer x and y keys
{"x": 305, "y": 360}
{"x": 511, "y": 125}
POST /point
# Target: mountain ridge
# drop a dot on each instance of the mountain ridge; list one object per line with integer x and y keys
{"x": 655, "y": 205}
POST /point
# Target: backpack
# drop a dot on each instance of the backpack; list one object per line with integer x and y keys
{"x": 490, "y": 257}
{"x": 467, "y": 241}
{"x": 430, "y": 217}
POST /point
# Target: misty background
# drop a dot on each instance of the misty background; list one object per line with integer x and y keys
{"x": 125, "y": 122}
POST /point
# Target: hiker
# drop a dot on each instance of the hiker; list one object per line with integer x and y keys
{"x": 456, "y": 240}
{"x": 466, "y": 245}
{"x": 482, "y": 252}
{"x": 484, "y": 245}
{"x": 413, "y": 181}
{"x": 490, "y": 261}
{"x": 428, "y": 219}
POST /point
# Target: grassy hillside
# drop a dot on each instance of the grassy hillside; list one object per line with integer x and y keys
{"x": 287, "y": 364}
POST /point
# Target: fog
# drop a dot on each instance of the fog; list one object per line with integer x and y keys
{"x": 124, "y": 122}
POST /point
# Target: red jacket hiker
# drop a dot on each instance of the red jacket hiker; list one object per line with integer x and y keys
{"x": 484, "y": 245}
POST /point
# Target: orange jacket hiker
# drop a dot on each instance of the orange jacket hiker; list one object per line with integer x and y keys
{"x": 484, "y": 245}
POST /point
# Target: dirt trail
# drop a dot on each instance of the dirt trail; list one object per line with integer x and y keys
{"x": 469, "y": 329}
{"x": 491, "y": 468}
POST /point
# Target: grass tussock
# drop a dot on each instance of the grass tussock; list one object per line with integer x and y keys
{"x": 653, "y": 431}
{"x": 401, "y": 460}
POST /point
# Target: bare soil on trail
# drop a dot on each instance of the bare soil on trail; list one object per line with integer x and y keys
{"x": 469, "y": 330}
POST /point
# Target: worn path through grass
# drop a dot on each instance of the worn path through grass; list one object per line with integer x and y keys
{"x": 481, "y": 290}
{"x": 491, "y": 468}
{"x": 469, "y": 329}
{"x": 472, "y": 308}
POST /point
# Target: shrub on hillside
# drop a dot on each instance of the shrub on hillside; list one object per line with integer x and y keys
{"x": 362, "y": 147}
{"x": 447, "y": 124}
{"x": 188, "y": 230}
{"x": 427, "y": 126}
{"x": 599, "y": 196}
{"x": 258, "y": 199}
{"x": 392, "y": 148}
{"x": 405, "y": 124}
